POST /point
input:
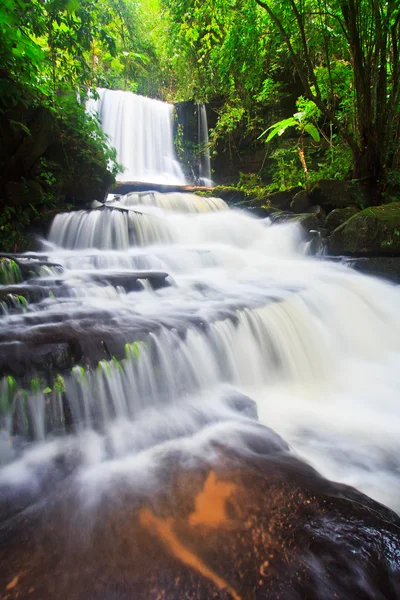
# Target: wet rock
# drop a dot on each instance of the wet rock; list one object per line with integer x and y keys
{"x": 308, "y": 221}
{"x": 131, "y": 281}
{"x": 387, "y": 267}
{"x": 18, "y": 359}
{"x": 210, "y": 519}
{"x": 375, "y": 230}
{"x": 30, "y": 293}
{"x": 280, "y": 216}
{"x": 339, "y": 216}
{"x": 323, "y": 232}
{"x": 243, "y": 405}
{"x": 318, "y": 212}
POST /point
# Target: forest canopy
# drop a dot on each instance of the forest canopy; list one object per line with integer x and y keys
{"x": 314, "y": 84}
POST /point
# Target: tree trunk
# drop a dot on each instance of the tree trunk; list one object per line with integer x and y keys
{"x": 368, "y": 167}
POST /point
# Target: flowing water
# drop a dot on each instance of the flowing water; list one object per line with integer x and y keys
{"x": 140, "y": 130}
{"x": 167, "y": 307}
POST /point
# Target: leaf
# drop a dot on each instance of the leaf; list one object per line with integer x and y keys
{"x": 299, "y": 115}
{"x": 273, "y": 133}
{"x": 313, "y": 131}
{"x": 279, "y": 128}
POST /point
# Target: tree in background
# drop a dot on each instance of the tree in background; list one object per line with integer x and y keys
{"x": 345, "y": 54}
{"x": 365, "y": 35}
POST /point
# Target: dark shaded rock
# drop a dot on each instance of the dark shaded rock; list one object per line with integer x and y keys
{"x": 317, "y": 242}
{"x": 215, "y": 520}
{"x": 93, "y": 184}
{"x": 387, "y": 267}
{"x": 306, "y": 220}
{"x": 23, "y": 193}
{"x": 261, "y": 212}
{"x": 339, "y": 216}
{"x": 318, "y": 212}
{"x": 17, "y": 359}
{"x": 375, "y": 230}
{"x": 282, "y": 200}
{"x": 333, "y": 193}
{"x": 243, "y": 404}
{"x": 280, "y": 216}
{"x": 131, "y": 281}
{"x": 301, "y": 202}
{"x": 31, "y": 293}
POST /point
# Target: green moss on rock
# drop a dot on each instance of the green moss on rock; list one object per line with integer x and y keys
{"x": 373, "y": 231}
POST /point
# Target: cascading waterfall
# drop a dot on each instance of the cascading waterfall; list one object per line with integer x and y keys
{"x": 144, "y": 354}
{"x": 140, "y": 129}
{"x": 176, "y": 201}
{"x": 165, "y": 305}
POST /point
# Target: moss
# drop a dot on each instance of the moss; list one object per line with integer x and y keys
{"x": 207, "y": 194}
{"x": 9, "y": 272}
{"x": 374, "y": 230}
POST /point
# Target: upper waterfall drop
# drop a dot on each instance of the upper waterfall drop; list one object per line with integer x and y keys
{"x": 140, "y": 129}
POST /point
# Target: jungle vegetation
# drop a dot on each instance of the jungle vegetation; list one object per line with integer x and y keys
{"x": 314, "y": 85}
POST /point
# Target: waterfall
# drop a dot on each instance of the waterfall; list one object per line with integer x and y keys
{"x": 145, "y": 354}
{"x": 141, "y": 131}
{"x": 164, "y": 303}
{"x": 202, "y": 136}
{"x": 177, "y": 201}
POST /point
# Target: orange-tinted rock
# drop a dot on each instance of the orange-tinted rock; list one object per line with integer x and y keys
{"x": 224, "y": 523}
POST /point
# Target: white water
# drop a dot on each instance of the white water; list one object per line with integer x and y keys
{"x": 140, "y": 129}
{"x": 314, "y": 343}
{"x": 176, "y": 201}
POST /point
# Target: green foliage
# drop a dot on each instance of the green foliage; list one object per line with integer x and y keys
{"x": 9, "y": 272}
{"x": 132, "y": 350}
{"x": 229, "y": 119}
{"x": 298, "y": 121}
{"x": 285, "y": 167}
{"x": 83, "y": 140}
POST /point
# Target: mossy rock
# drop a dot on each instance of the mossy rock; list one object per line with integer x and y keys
{"x": 373, "y": 231}
{"x": 339, "y": 216}
{"x": 307, "y": 220}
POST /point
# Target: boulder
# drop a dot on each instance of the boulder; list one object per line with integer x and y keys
{"x": 386, "y": 267}
{"x": 308, "y": 221}
{"x": 301, "y": 202}
{"x": 334, "y": 193}
{"x": 231, "y": 513}
{"x": 282, "y": 200}
{"x": 339, "y": 216}
{"x": 373, "y": 231}
{"x": 318, "y": 212}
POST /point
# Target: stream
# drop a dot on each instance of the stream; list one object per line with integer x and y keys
{"x": 160, "y": 334}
